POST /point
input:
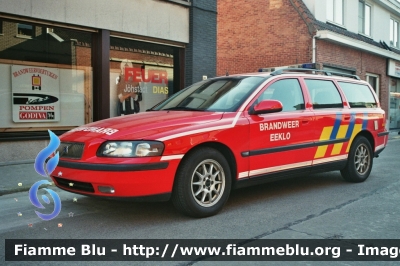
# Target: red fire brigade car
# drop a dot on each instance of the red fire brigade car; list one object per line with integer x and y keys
{"x": 224, "y": 133}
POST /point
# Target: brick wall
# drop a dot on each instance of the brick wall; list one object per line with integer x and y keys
{"x": 363, "y": 62}
{"x": 254, "y": 34}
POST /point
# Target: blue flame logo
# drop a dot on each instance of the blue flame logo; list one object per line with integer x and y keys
{"x": 35, "y": 201}
{"x": 45, "y": 167}
{"x": 42, "y": 156}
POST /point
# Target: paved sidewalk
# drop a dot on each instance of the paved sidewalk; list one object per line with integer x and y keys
{"x": 20, "y": 177}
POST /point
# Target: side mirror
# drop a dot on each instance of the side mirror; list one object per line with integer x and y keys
{"x": 265, "y": 107}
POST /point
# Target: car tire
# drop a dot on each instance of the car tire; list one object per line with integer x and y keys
{"x": 359, "y": 162}
{"x": 203, "y": 183}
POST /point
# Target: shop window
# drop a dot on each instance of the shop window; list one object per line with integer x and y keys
{"x": 373, "y": 80}
{"x": 334, "y": 9}
{"x": 394, "y": 107}
{"x": 394, "y": 33}
{"x": 25, "y": 30}
{"x": 141, "y": 75}
{"x": 364, "y": 18}
{"x": 50, "y": 85}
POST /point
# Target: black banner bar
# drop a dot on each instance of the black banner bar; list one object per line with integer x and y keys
{"x": 202, "y": 249}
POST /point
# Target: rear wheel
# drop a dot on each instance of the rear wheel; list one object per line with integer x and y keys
{"x": 203, "y": 183}
{"x": 359, "y": 163}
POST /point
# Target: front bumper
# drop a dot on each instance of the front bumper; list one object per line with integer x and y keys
{"x": 133, "y": 180}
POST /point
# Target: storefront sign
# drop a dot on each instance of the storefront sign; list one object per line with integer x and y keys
{"x": 35, "y": 94}
{"x": 138, "y": 88}
{"x": 394, "y": 68}
{"x": 157, "y": 79}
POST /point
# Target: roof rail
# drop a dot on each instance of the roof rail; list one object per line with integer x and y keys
{"x": 326, "y": 72}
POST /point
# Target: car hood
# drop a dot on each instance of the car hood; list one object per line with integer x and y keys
{"x": 147, "y": 125}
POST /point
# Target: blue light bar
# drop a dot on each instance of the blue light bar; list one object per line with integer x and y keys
{"x": 308, "y": 65}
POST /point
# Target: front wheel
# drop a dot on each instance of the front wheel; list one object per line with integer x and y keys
{"x": 359, "y": 163}
{"x": 203, "y": 183}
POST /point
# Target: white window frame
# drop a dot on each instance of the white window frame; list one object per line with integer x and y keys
{"x": 376, "y": 89}
{"x": 334, "y": 13}
{"x": 394, "y": 32}
{"x": 366, "y": 19}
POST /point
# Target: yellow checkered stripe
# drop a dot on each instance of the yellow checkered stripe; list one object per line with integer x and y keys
{"x": 338, "y": 132}
{"x": 337, "y": 148}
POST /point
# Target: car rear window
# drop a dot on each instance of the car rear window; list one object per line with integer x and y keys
{"x": 358, "y": 95}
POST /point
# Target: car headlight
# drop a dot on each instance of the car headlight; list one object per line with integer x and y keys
{"x": 130, "y": 149}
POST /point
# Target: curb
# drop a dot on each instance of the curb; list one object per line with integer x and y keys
{"x": 7, "y": 191}
{"x": 13, "y": 190}
{"x": 17, "y": 162}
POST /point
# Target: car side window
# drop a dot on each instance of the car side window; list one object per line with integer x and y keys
{"x": 358, "y": 95}
{"x": 287, "y": 91}
{"x": 324, "y": 94}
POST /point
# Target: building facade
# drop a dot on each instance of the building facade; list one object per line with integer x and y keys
{"x": 65, "y": 64}
{"x": 350, "y": 36}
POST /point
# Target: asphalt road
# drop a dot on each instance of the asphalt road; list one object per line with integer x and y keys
{"x": 309, "y": 207}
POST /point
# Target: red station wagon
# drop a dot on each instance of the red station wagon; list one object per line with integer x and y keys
{"x": 224, "y": 133}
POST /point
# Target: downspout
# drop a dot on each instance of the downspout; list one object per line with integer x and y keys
{"x": 314, "y": 48}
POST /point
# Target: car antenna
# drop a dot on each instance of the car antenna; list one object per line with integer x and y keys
{"x": 226, "y": 74}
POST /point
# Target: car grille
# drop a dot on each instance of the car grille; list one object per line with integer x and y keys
{"x": 80, "y": 186}
{"x": 70, "y": 150}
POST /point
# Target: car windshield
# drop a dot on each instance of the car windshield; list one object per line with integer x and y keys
{"x": 219, "y": 95}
